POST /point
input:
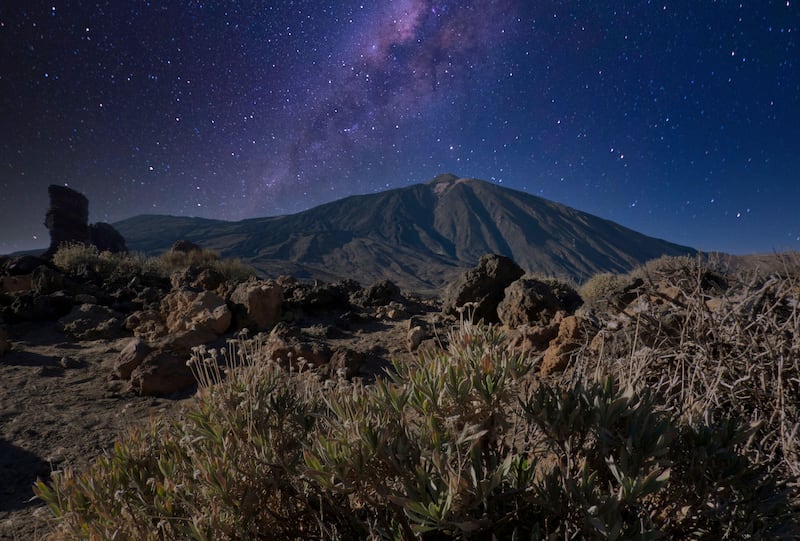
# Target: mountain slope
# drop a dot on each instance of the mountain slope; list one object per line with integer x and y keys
{"x": 420, "y": 236}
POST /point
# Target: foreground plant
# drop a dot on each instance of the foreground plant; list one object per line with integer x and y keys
{"x": 459, "y": 444}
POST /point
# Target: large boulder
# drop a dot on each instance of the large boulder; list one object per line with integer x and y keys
{"x": 258, "y": 303}
{"x": 483, "y": 286}
{"x": 160, "y": 368}
{"x": 530, "y": 301}
{"x": 187, "y": 310}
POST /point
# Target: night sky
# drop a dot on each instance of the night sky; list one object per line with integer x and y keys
{"x": 678, "y": 119}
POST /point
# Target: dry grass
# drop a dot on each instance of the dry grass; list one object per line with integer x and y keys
{"x": 81, "y": 259}
{"x": 707, "y": 343}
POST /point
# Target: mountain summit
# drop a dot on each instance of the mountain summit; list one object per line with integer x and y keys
{"x": 420, "y": 236}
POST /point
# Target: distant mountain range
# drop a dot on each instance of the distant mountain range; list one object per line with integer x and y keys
{"x": 421, "y": 236}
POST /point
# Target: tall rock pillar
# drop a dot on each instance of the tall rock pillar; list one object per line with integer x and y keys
{"x": 67, "y": 219}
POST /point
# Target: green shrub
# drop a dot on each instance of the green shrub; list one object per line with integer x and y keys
{"x": 458, "y": 444}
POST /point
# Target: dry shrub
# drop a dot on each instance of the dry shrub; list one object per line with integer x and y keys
{"x": 458, "y": 444}
{"x": 709, "y": 343}
{"x": 231, "y": 269}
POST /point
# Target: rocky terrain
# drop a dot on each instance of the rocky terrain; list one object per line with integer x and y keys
{"x": 92, "y": 343}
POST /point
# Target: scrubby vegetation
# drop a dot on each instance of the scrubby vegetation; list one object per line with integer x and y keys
{"x": 681, "y": 424}
{"x": 81, "y": 258}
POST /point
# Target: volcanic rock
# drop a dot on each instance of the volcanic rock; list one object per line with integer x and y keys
{"x": 185, "y": 246}
{"x": 24, "y": 264}
{"x": 257, "y": 303}
{"x": 106, "y": 238}
{"x": 529, "y": 301}
{"x": 484, "y": 286}
{"x": 91, "y": 322}
{"x": 345, "y": 362}
{"x": 571, "y": 336}
{"x": 162, "y": 373}
{"x": 45, "y": 280}
{"x": 67, "y": 219}
{"x": 131, "y": 356}
{"x": 186, "y": 310}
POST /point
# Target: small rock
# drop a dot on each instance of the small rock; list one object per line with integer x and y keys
{"x": 69, "y": 362}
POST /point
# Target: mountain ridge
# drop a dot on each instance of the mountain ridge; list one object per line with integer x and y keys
{"x": 420, "y": 236}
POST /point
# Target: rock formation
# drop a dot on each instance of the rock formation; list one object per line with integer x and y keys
{"x": 484, "y": 286}
{"x": 67, "y": 219}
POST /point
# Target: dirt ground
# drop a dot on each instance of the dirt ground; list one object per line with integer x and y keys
{"x": 59, "y": 407}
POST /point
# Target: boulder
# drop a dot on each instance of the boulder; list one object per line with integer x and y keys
{"x": 287, "y": 348}
{"x": 258, "y": 303}
{"x": 319, "y": 296}
{"x": 24, "y": 264}
{"x": 106, "y": 238}
{"x": 571, "y": 336}
{"x": 536, "y": 338}
{"x": 146, "y": 324}
{"x": 418, "y": 330}
{"x": 186, "y": 310}
{"x": 92, "y": 322}
{"x": 16, "y": 284}
{"x": 131, "y": 356}
{"x": 51, "y": 307}
{"x": 483, "y": 286}
{"x": 529, "y": 301}
{"x": 162, "y": 373}
{"x": 67, "y": 219}
{"x": 45, "y": 280}
{"x": 379, "y": 294}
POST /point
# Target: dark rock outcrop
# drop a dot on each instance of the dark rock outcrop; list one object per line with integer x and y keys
{"x": 67, "y": 220}
{"x": 106, "y": 238}
{"x": 483, "y": 286}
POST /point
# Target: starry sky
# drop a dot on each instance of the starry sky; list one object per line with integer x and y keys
{"x": 680, "y": 119}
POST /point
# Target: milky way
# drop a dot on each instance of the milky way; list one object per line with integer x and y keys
{"x": 678, "y": 119}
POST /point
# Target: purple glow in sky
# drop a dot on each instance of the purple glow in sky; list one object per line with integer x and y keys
{"x": 678, "y": 119}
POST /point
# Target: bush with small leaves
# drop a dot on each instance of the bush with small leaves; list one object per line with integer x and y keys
{"x": 463, "y": 443}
